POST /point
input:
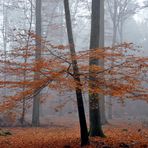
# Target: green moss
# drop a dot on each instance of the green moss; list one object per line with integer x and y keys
{"x": 5, "y": 133}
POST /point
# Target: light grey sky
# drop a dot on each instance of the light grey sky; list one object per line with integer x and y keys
{"x": 142, "y": 14}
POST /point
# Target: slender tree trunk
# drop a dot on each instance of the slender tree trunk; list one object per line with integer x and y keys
{"x": 94, "y": 103}
{"x": 22, "y": 119}
{"x": 101, "y": 62}
{"x": 36, "y": 100}
{"x": 114, "y": 40}
{"x": 61, "y": 9}
{"x": 82, "y": 119}
{"x": 5, "y": 29}
{"x": 121, "y": 31}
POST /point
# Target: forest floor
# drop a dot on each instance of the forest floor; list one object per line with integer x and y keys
{"x": 119, "y": 135}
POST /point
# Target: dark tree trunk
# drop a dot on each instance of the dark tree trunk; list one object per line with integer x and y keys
{"x": 22, "y": 119}
{"x": 82, "y": 119}
{"x": 110, "y": 108}
{"x": 95, "y": 40}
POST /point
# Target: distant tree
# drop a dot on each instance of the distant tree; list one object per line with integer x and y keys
{"x": 36, "y": 100}
{"x": 15, "y": 34}
{"x": 30, "y": 22}
{"x": 5, "y": 33}
{"x": 120, "y": 11}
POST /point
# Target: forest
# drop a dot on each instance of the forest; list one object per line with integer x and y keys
{"x": 73, "y": 73}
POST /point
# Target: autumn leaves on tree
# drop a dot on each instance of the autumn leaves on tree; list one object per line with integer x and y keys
{"x": 63, "y": 69}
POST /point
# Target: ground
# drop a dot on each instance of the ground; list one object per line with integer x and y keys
{"x": 119, "y": 135}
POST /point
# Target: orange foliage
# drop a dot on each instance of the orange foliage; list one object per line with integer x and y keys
{"x": 124, "y": 79}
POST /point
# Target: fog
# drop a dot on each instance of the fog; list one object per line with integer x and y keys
{"x": 57, "y": 109}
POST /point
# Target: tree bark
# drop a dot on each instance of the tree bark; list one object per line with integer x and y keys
{"x": 4, "y": 33}
{"x": 36, "y": 99}
{"x": 82, "y": 119}
{"x": 95, "y": 40}
{"x": 101, "y": 62}
{"x": 120, "y": 30}
{"x": 115, "y": 24}
{"x": 110, "y": 108}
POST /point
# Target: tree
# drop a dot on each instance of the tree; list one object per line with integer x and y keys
{"x": 95, "y": 42}
{"x": 120, "y": 11}
{"x": 56, "y": 74}
{"x": 15, "y": 34}
{"x": 36, "y": 100}
{"x": 82, "y": 119}
{"x": 5, "y": 29}
{"x": 66, "y": 71}
{"x": 101, "y": 62}
{"x": 22, "y": 118}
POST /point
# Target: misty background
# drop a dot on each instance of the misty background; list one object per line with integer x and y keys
{"x": 15, "y": 19}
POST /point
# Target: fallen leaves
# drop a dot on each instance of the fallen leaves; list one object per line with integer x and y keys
{"x": 64, "y": 137}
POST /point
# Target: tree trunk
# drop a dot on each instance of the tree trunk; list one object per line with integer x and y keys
{"x": 22, "y": 118}
{"x": 36, "y": 100}
{"x": 4, "y": 33}
{"x": 114, "y": 40}
{"x": 110, "y": 108}
{"x": 95, "y": 40}
{"x": 102, "y": 109}
{"x": 82, "y": 119}
{"x": 101, "y": 62}
{"x": 121, "y": 30}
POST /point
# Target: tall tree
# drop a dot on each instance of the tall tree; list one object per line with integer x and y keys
{"x": 76, "y": 75}
{"x": 120, "y": 11}
{"x": 30, "y": 21}
{"x": 36, "y": 100}
{"x": 95, "y": 42}
{"x": 5, "y": 35}
{"x": 101, "y": 62}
